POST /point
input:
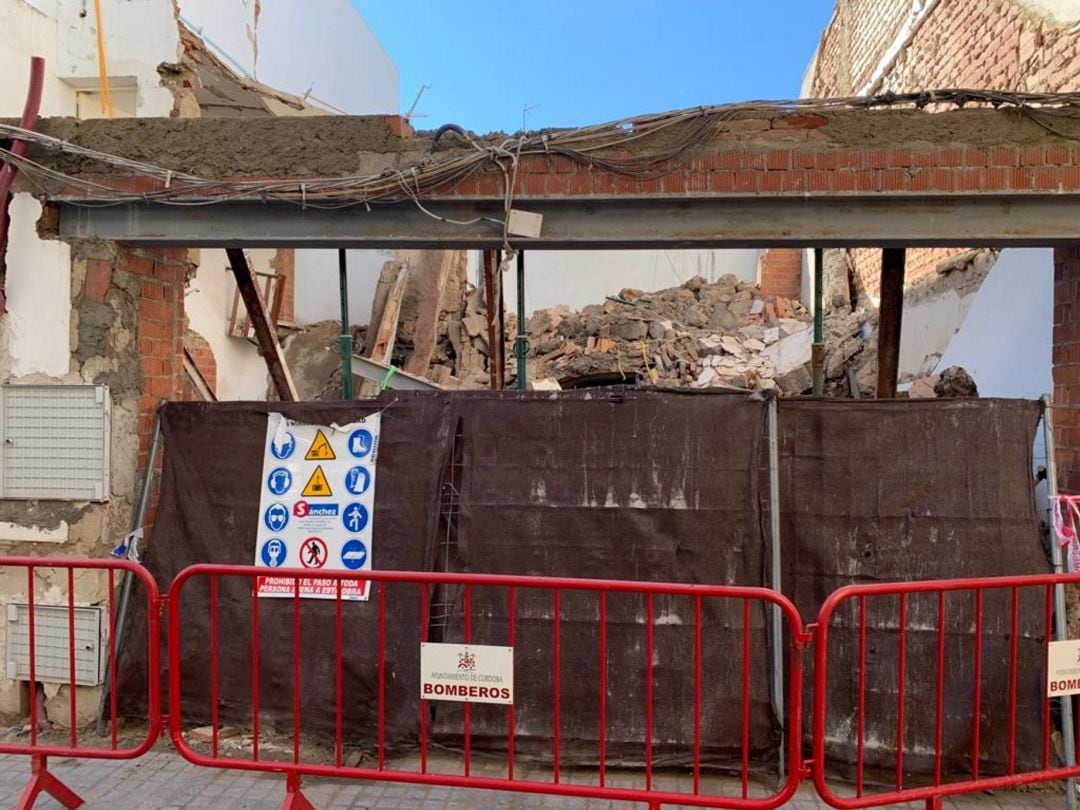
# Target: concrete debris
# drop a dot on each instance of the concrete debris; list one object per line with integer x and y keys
{"x": 722, "y": 335}
{"x": 544, "y": 385}
{"x": 206, "y": 733}
{"x": 923, "y": 387}
{"x": 955, "y": 382}
{"x": 699, "y": 335}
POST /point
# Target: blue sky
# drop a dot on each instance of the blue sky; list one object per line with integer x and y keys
{"x": 588, "y": 61}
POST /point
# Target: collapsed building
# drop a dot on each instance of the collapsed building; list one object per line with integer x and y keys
{"x": 137, "y": 278}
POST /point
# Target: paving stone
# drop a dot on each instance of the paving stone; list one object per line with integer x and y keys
{"x": 161, "y": 780}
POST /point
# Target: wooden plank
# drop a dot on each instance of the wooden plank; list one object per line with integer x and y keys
{"x": 380, "y": 346}
{"x": 433, "y": 282}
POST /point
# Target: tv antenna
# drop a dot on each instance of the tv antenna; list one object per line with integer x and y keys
{"x": 411, "y": 114}
{"x": 528, "y": 108}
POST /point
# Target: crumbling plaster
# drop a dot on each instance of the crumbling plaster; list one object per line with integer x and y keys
{"x": 1061, "y": 11}
{"x": 138, "y": 35}
{"x": 35, "y": 333}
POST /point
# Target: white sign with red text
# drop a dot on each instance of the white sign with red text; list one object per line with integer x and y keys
{"x": 1063, "y": 670}
{"x": 467, "y": 673}
{"x": 317, "y": 505}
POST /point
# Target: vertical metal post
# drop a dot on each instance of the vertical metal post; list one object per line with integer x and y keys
{"x": 346, "y": 333}
{"x": 818, "y": 349}
{"x": 489, "y": 299}
{"x": 890, "y": 316}
{"x": 128, "y": 579}
{"x": 1061, "y": 630}
{"x": 521, "y": 344}
{"x": 774, "y": 574}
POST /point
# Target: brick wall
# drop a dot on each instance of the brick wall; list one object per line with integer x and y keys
{"x": 202, "y": 355}
{"x": 1066, "y": 359}
{"x": 161, "y": 275}
{"x": 780, "y": 272}
{"x": 982, "y": 44}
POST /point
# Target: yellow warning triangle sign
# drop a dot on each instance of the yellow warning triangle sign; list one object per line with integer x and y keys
{"x": 317, "y": 486}
{"x": 320, "y": 449}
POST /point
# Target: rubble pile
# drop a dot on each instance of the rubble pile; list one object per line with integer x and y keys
{"x": 698, "y": 335}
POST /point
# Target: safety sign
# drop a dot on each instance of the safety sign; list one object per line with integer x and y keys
{"x": 320, "y": 449}
{"x": 467, "y": 673}
{"x": 1063, "y": 668}
{"x": 357, "y": 480}
{"x": 279, "y": 481}
{"x": 354, "y": 554}
{"x": 317, "y": 506}
{"x": 317, "y": 486}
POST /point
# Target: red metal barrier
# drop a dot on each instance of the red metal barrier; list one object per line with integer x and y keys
{"x": 1025, "y": 615}
{"x": 391, "y": 597}
{"x": 39, "y": 749}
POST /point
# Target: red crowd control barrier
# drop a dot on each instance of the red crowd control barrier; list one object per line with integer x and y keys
{"x": 948, "y": 666}
{"x": 63, "y": 586}
{"x": 658, "y": 653}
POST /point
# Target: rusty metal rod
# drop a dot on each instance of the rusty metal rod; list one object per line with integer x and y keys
{"x": 890, "y": 317}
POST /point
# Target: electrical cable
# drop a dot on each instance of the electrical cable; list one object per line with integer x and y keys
{"x": 603, "y": 146}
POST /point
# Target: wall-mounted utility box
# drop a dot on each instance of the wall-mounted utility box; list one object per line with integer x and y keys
{"x": 52, "y": 659}
{"x": 54, "y": 442}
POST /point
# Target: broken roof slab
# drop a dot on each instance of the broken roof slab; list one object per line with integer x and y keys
{"x": 748, "y": 176}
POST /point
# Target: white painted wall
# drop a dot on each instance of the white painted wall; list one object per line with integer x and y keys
{"x": 578, "y": 278}
{"x": 36, "y": 331}
{"x": 318, "y": 298}
{"x": 324, "y": 47}
{"x": 1005, "y": 341}
{"x": 139, "y": 35}
{"x": 29, "y": 31}
{"x": 927, "y": 330}
{"x": 241, "y": 372}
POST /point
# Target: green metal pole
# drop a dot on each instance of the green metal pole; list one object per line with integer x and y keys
{"x": 818, "y": 349}
{"x": 521, "y": 344}
{"x": 346, "y": 334}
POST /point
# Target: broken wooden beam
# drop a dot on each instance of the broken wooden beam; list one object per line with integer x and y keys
{"x": 265, "y": 330}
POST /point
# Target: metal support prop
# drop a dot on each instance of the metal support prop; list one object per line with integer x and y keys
{"x": 265, "y": 333}
{"x": 1061, "y": 630}
{"x": 818, "y": 349}
{"x": 890, "y": 316}
{"x": 346, "y": 334}
{"x": 489, "y": 298}
{"x": 521, "y": 345}
{"x": 774, "y": 573}
{"x": 127, "y": 579}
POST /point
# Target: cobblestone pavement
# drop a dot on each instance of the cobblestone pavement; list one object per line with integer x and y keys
{"x": 161, "y": 780}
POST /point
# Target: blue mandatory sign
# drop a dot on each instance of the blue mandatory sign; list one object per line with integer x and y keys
{"x": 361, "y": 442}
{"x": 279, "y": 481}
{"x": 357, "y": 480}
{"x": 273, "y": 552}
{"x": 285, "y": 449}
{"x": 276, "y": 517}
{"x": 355, "y": 517}
{"x": 353, "y": 554}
